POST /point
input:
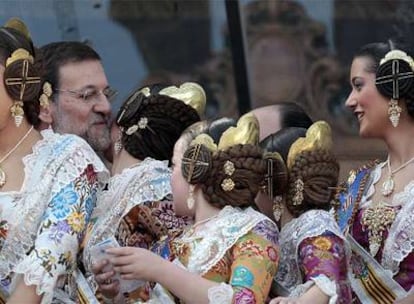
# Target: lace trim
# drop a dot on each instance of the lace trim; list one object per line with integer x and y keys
{"x": 308, "y": 225}
{"x": 400, "y": 241}
{"x": 62, "y": 156}
{"x": 35, "y": 274}
{"x": 326, "y": 285}
{"x": 210, "y": 244}
{"x": 220, "y": 294}
{"x": 148, "y": 181}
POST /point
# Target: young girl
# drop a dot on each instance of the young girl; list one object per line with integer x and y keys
{"x": 314, "y": 257}
{"x": 230, "y": 254}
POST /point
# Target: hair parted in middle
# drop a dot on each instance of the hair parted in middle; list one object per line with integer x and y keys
{"x": 152, "y": 118}
{"x": 312, "y": 169}
{"x": 230, "y": 169}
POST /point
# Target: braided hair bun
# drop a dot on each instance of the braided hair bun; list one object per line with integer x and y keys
{"x": 318, "y": 170}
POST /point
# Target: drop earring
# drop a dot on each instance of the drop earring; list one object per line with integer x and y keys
{"x": 277, "y": 207}
{"x": 394, "y": 112}
{"x": 17, "y": 112}
{"x": 190, "y": 199}
{"x": 118, "y": 143}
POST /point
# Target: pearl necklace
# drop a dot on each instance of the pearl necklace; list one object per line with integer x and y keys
{"x": 2, "y": 173}
{"x": 388, "y": 185}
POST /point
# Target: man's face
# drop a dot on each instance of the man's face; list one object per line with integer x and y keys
{"x": 89, "y": 118}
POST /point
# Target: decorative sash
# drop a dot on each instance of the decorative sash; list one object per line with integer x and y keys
{"x": 370, "y": 281}
{"x": 350, "y": 195}
{"x": 85, "y": 294}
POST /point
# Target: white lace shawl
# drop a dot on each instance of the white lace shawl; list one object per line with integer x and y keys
{"x": 146, "y": 182}
{"x": 218, "y": 235}
{"x": 400, "y": 241}
{"x": 63, "y": 156}
{"x": 310, "y": 224}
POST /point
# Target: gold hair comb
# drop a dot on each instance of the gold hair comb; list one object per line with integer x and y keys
{"x": 246, "y": 132}
{"x": 398, "y": 54}
{"x": 18, "y": 25}
{"x": 190, "y": 93}
{"x": 318, "y": 136}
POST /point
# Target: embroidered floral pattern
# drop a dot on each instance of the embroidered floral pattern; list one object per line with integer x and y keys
{"x": 62, "y": 204}
{"x": 312, "y": 246}
{"x": 240, "y": 254}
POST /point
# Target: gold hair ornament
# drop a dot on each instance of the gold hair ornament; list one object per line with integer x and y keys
{"x": 228, "y": 184}
{"x": 47, "y": 93}
{"x": 16, "y": 110}
{"x": 270, "y": 157}
{"x": 400, "y": 55}
{"x": 18, "y": 25}
{"x": 318, "y": 136}
{"x": 190, "y": 93}
{"x": 142, "y": 124}
{"x": 246, "y": 132}
{"x": 19, "y": 54}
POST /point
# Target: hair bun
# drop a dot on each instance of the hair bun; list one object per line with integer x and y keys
{"x": 22, "y": 72}
{"x": 196, "y": 164}
{"x": 384, "y": 78}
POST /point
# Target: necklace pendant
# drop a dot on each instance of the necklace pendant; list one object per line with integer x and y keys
{"x": 2, "y": 178}
{"x": 388, "y": 186}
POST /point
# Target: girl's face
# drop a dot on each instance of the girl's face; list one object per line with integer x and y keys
{"x": 179, "y": 185}
{"x": 367, "y": 104}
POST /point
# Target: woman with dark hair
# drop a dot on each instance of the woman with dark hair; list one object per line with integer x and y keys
{"x": 136, "y": 208}
{"x": 230, "y": 254}
{"x": 48, "y": 182}
{"x": 376, "y": 203}
{"x": 314, "y": 256}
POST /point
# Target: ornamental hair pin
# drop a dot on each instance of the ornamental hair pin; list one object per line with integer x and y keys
{"x": 228, "y": 183}
{"x": 298, "y": 188}
{"x": 142, "y": 124}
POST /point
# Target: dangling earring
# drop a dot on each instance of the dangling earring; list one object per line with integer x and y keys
{"x": 190, "y": 199}
{"x": 277, "y": 207}
{"x": 46, "y": 94}
{"x": 118, "y": 143}
{"x": 17, "y": 112}
{"x": 394, "y": 112}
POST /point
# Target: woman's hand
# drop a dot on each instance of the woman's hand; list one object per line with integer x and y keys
{"x": 283, "y": 300}
{"x": 407, "y": 300}
{"x": 135, "y": 263}
{"x": 104, "y": 275}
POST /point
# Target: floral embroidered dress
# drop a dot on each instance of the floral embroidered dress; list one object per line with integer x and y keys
{"x": 238, "y": 248}
{"x": 42, "y": 225}
{"x": 136, "y": 209}
{"x": 313, "y": 251}
{"x": 396, "y": 251}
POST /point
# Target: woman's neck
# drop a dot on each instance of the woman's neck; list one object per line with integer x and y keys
{"x": 122, "y": 161}
{"x": 286, "y": 216}
{"x": 204, "y": 210}
{"x": 399, "y": 141}
{"x": 11, "y": 135}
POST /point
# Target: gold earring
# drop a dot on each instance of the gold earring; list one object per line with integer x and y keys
{"x": 277, "y": 207}
{"x": 190, "y": 199}
{"x": 17, "y": 112}
{"x": 394, "y": 112}
{"x": 118, "y": 143}
{"x": 46, "y": 94}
